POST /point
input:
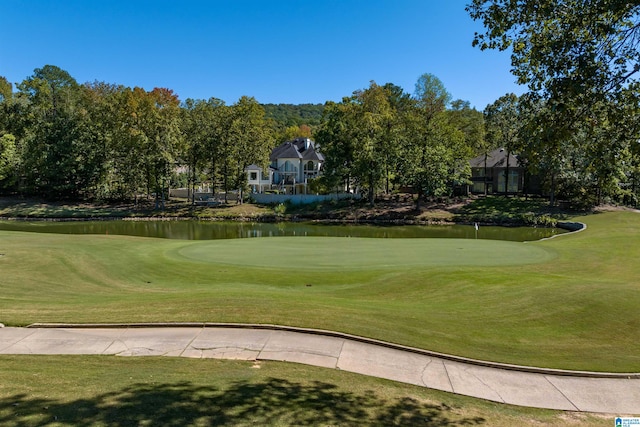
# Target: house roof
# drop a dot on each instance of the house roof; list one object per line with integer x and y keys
{"x": 256, "y": 168}
{"x": 495, "y": 159}
{"x": 299, "y": 148}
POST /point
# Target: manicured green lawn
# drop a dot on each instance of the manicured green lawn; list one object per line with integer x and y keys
{"x": 111, "y": 391}
{"x": 570, "y": 302}
{"x": 344, "y": 253}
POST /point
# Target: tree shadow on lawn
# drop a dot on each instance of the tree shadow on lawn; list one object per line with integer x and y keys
{"x": 272, "y": 401}
{"x": 500, "y": 209}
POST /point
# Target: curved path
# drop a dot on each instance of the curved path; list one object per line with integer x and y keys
{"x": 566, "y": 390}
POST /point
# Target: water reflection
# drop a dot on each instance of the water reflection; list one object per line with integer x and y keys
{"x": 208, "y": 230}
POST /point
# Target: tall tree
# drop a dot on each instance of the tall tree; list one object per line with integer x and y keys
{"x": 336, "y": 139}
{"x": 202, "y": 129}
{"x": 503, "y": 128}
{"x": 54, "y": 162}
{"x": 6, "y": 89}
{"x": 164, "y": 140}
{"x": 248, "y": 140}
{"x": 471, "y": 123}
{"x": 564, "y": 48}
{"x": 98, "y": 123}
{"x": 430, "y": 159}
{"x": 431, "y": 95}
{"x": 372, "y": 121}
{"x": 8, "y": 158}
{"x": 581, "y": 62}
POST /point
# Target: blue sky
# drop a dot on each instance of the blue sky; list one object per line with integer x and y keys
{"x": 278, "y": 51}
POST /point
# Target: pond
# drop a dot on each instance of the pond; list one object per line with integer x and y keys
{"x": 209, "y": 230}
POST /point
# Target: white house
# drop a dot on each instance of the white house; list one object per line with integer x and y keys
{"x": 293, "y": 164}
{"x": 258, "y": 180}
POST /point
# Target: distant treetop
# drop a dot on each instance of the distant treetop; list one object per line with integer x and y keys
{"x": 295, "y": 114}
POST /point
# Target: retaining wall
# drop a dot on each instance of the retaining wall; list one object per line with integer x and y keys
{"x": 299, "y": 199}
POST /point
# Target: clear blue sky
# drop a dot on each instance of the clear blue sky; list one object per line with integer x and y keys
{"x": 278, "y": 51}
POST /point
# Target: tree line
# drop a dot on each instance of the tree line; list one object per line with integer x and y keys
{"x": 62, "y": 139}
{"x": 576, "y": 128}
{"x": 382, "y": 138}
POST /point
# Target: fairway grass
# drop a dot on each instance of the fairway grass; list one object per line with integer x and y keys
{"x": 569, "y": 302}
{"x": 111, "y": 391}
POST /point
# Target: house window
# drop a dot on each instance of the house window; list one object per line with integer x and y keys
{"x": 253, "y": 176}
{"x": 478, "y": 187}
{"x": 309, "y": 166}
{"x": 477, "y": 172}
{"x": 288, "y": 167}
{"x": 512, "y": 184}
{"x": 514, "y": 179}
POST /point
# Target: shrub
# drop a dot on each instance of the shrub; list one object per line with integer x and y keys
{"x": 280, "y": 209}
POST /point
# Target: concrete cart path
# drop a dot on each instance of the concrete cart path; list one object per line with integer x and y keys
{"x": 542, "y": 390}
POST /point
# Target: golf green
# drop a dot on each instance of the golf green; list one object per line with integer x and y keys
{"x": 342, "y": 253}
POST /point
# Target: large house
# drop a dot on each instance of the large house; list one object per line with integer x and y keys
{"x": 292, "y": 165}
{"x": 490, "y": 171}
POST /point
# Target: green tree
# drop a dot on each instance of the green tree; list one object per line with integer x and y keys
{"x": 580, "y": 60}
{"x": 54, "y": 159}
{"x": 293, "y": 132}
{"x": 8, "y": 155}
{"x": 502, "y": 119}
{"x": 430, "y": 163}
{"x": 372, "y": 118}
{"x": 6, "y": 89}
{"x": 248, "y": 139}
{"x": 434, "y": 157}
{"x": 164, "y": 140}
{"x": 431, "y": 95}
{"x": 471, "y": 122}
{"x": 202, "y": 134}
{"x": 8, "y": 158}
{"x": 336, "y": 139}
{"x": 99, "y": 123}
{"x": 564, "y": 48}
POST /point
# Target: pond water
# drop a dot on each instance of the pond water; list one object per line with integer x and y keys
{"x": 208, "y": 230}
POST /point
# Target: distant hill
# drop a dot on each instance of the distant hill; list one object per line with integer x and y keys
{"x": 295, "y": 115}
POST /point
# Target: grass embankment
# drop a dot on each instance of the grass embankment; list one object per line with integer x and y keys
{"x": 566, "y": 303}
{"x": 401, "y": 208}
{"x": 176, "y": 208}
{"x": 108, "y": 391}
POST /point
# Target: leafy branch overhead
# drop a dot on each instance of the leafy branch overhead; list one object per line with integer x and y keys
{"x": 560, "y": 46}
{"x": 580, "y": 59}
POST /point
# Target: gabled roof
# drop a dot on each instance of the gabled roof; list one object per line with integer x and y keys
{"x": 299, "y": 148}
{"x": 312, "y": 154}
{"x": 495, "y": 159}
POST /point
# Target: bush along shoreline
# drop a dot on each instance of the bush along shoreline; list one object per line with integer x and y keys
{"x": 483, "y": 211}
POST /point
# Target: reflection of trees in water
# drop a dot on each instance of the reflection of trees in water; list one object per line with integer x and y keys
{"x": 209, "y": 230}
{"x": 272, "y": 401}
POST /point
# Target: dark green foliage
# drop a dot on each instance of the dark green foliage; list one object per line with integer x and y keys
{"x": 294, "y": 115}
{"x": 580, "y": 60}
{"x": 510, "y": 211}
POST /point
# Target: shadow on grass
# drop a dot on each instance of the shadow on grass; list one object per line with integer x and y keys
{"x": 272, "y": 401}
{"x": 508, "y": 210}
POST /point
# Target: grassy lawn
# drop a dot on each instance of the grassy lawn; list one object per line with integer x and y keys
{"x": 110, "y": 391}
{"x": 30, "y": 208}
{"x": 569, "y": 302}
